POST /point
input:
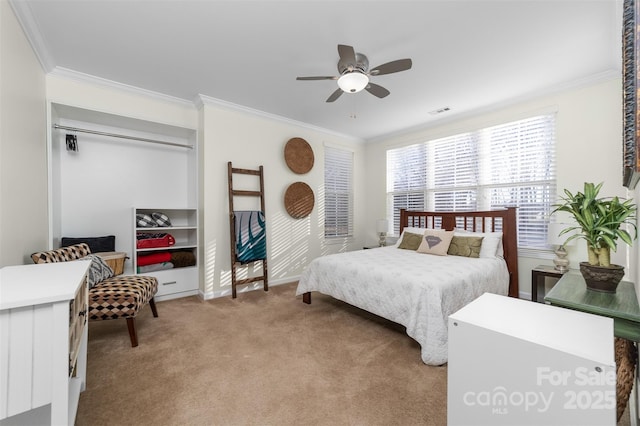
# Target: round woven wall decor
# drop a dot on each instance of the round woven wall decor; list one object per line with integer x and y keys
{"x": 298, "y": 155}
{"x": 298, "y": 200}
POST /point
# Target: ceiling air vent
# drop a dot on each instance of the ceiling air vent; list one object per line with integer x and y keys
{"x": 439, "y": 110}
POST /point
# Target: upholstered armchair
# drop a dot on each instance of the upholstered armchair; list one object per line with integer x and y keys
{"x": 110, "y": 297}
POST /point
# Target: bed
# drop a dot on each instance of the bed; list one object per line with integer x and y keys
{"x": 417, "y": 290}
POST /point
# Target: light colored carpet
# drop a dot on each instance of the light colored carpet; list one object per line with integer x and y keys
{"x": 264, "y": 358}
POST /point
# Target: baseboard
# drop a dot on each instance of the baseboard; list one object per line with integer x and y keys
{"x": 246, "y": 288}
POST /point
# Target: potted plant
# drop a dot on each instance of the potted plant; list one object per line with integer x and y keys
{"x": 599, "y": 222}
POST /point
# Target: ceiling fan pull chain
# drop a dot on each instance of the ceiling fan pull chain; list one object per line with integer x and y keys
{"x": 353, "y": 112}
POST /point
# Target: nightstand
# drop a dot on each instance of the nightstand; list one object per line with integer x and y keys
{"x": 622, "y": 306}
{"x": 538, "y": 274}
{"x": 571, "y": 292}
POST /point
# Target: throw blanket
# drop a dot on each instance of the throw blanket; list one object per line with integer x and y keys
{"x": 251, "y": 237}
{"x": 155, "y": 267}
{"x": 183, "y": 259}
{"x": 150, "y": 259}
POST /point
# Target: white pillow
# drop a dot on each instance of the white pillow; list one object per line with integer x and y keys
{"x": 413, "y": 230}
{"x": 491, "y": 243}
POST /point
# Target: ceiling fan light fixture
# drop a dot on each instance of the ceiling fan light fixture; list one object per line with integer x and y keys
{"x": 353, "y": 82}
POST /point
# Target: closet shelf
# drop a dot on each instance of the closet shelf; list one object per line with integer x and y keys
{"x": 180, "y": 280}
{"x": 173, "y": 247}
{"x": 165, "y": 228}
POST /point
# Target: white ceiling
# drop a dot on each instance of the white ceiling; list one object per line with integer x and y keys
{"x": 467, "y": 55}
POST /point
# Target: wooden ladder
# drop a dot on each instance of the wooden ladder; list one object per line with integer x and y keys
{"x": 244, "y": 193}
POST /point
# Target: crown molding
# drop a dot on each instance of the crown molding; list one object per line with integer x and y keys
{"x": 24, "y": 15}
{"x": 198, "y": 103}
{"x": 574, "y": 84}
{"x": 203, "y": 100}
{"x": 110, "y": 84}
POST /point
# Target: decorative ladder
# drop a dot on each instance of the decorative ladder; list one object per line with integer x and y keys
{"x": 244, "y": 193}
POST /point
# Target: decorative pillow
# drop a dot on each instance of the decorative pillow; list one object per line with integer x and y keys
{"x": 145, "y": 221}
{"x": 491, "y": 244}
{"x": 465, "y": 246}
{"x": 98, "y": 271}
{"x": 161, "y": 219}
{"x": 96, "y": 244}
{"x": 410, "y": 241}
{"x": 411, "y": 229}
{"x": 436, "y": 242}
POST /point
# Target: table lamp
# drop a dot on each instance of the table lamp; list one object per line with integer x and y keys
{"x": 554, "y": 239}
{"x": 382, "y": 227}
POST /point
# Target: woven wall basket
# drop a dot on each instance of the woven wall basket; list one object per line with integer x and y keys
{"x": 298, "y": 155}
{"x": 625, "y": 355}
{"x": 299, "y": 200}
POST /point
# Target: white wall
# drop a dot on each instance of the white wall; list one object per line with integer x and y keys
{"x": 23, "y": 161}
{"x": 250, "y": 140}
{"x": 589, "y": 149}
{"x": 87, "y": 92}
{"x": 94, "y": 190}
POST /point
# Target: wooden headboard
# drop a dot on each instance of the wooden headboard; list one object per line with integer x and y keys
{"x": 482, "y": 221}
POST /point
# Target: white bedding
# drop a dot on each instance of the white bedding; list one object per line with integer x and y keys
{"x": 414, "y": 289}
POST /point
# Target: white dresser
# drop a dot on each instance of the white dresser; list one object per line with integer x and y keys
{"x": 43, "y": 342}
{"x": 516, "y": 362}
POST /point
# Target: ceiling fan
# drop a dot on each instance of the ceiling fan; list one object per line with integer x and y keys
{"x": 355, "y": 74}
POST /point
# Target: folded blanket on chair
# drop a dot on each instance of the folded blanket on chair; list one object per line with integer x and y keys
{"x": 251, "y": 237}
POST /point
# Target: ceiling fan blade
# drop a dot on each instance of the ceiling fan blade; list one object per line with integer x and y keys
{"x": 317, "y": 78}
{"x": 347, "y": 53}
{"x": 376, "y": 90}
{"x": 391, "y": 67}
{"x": 335, "y": 95}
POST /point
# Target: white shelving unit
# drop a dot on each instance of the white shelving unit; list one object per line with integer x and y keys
{"x": 115, "y": 162}
{"x": 179, "y": 281}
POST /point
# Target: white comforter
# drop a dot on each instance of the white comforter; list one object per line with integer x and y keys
{"x": 414, "y": 289}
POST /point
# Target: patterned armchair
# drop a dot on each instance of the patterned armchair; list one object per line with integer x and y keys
{"x": 111, "y": 298}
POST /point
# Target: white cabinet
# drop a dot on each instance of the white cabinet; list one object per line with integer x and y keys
{"x": 512, "y": 362}
{"x": 43, "y": 342}
{"x": 179, "y": 280}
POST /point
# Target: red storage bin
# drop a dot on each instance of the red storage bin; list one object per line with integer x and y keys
{"x": 160, "y": 240}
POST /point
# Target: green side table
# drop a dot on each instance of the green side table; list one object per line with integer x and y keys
{"x": 571, "y": 292}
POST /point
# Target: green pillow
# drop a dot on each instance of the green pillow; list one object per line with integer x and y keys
{"x": 465, "y": 246}
{"x": 410, "y": 241}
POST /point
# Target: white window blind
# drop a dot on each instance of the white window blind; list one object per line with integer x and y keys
{"x": 406, "y": 179}
{"x": 511, "y": 164}
{"x": 338, "y": 210}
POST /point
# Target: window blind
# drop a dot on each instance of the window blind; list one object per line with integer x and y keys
{"x": 512, "y": 164}
{"x": 338, "y": 204}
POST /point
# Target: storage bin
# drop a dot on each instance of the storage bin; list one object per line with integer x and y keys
{"x": 115, "y": 260}
{"x": 154, "y": 241}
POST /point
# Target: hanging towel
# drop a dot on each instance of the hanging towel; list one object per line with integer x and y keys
{"x": 251, "y": 238}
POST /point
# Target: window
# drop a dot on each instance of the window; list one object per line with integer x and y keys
{"x": 511, "y": 164}
{"x": 338, "y": 210}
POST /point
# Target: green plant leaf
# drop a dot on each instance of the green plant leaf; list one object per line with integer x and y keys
{"x": 599, "y": 220}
